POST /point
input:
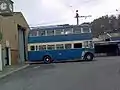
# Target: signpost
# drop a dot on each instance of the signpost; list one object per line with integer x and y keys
{"x": 1, "y": 63}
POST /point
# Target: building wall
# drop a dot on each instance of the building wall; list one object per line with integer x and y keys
{"x": 21, "y": 21}
{"x": 9, "y": 30}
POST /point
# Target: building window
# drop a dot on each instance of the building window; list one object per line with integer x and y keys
{"x": 77, "y": 30}
{"x": 51, "y": 47}
{"x": 41, "y": 33}
{"x": 59, "y": 46}
{"x": 68, "y": 46}
{"x": 68, "y": 31}
{"x": 42, "y": 47}
{"x": 50, "y": 32}
{"x": 32, "y": 48}
{"x": 59, "y": 32}
{"x": 78, "y": 45}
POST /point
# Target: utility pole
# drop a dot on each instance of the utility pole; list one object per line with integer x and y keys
{"x": 77, "y": 17}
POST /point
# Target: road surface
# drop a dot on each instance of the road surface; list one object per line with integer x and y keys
{"x": 101, "y": 74}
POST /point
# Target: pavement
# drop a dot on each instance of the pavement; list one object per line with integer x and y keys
{"x": 101, "y": 74}
{"x": 7, "y": 70}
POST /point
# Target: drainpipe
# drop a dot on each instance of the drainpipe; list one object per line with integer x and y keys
{"x": 1, "y": 63}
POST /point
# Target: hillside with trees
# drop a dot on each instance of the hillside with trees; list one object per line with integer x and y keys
{"x": 105, "y": 24}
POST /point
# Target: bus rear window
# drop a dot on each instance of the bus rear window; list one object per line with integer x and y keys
{"x": 32, "y": 48}
{"x": 78, "y": 45}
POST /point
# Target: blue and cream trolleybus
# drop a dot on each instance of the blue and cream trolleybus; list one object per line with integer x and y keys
{"x": 60, "y": 43}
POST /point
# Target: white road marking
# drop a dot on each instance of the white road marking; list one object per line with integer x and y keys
{"x": 36, "y": 67}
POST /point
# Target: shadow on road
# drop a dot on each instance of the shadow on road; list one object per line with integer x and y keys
{"x": 52, "y": 65}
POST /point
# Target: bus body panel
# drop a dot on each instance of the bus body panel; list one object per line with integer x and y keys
{"x": 57, "y": 55}
{"x": 59, "y": 38}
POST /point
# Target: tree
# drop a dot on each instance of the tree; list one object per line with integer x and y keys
{"x": 105, "y": 24}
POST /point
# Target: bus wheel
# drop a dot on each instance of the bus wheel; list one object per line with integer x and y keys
{"x": 47, "y": 59}
{"x": 88, "y": 57}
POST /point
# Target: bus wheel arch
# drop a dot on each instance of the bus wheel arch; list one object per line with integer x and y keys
{"x": 88, "y": 56}
{"x": 47, "y": 59}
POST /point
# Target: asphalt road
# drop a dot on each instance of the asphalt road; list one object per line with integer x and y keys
{"x": 101, "y": 74}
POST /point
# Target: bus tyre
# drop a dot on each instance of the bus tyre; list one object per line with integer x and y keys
{"x": 47, "y": 59}
{"x": 88, "y": 57}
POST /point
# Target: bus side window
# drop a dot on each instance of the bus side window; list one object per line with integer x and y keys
{"x": 51, "y": 47}
{"x": 50, "y": 32}
{"x": 59, "y": 46}
{"x": 41, "y": 32}
{"x": 68, "y": 46}
{"x": 78, "y": 45}
{"x": 77, "y": 30}
{"x": 68, "y": 31}
{"x": 32, "y": 48}
{"x": 86, "y": 30}
{"x": 42, "y": 47}
{"x": 33, "y": 33}
{"x": 58, "y": 32}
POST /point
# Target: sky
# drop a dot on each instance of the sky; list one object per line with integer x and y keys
{"x": 52, "y": 12}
